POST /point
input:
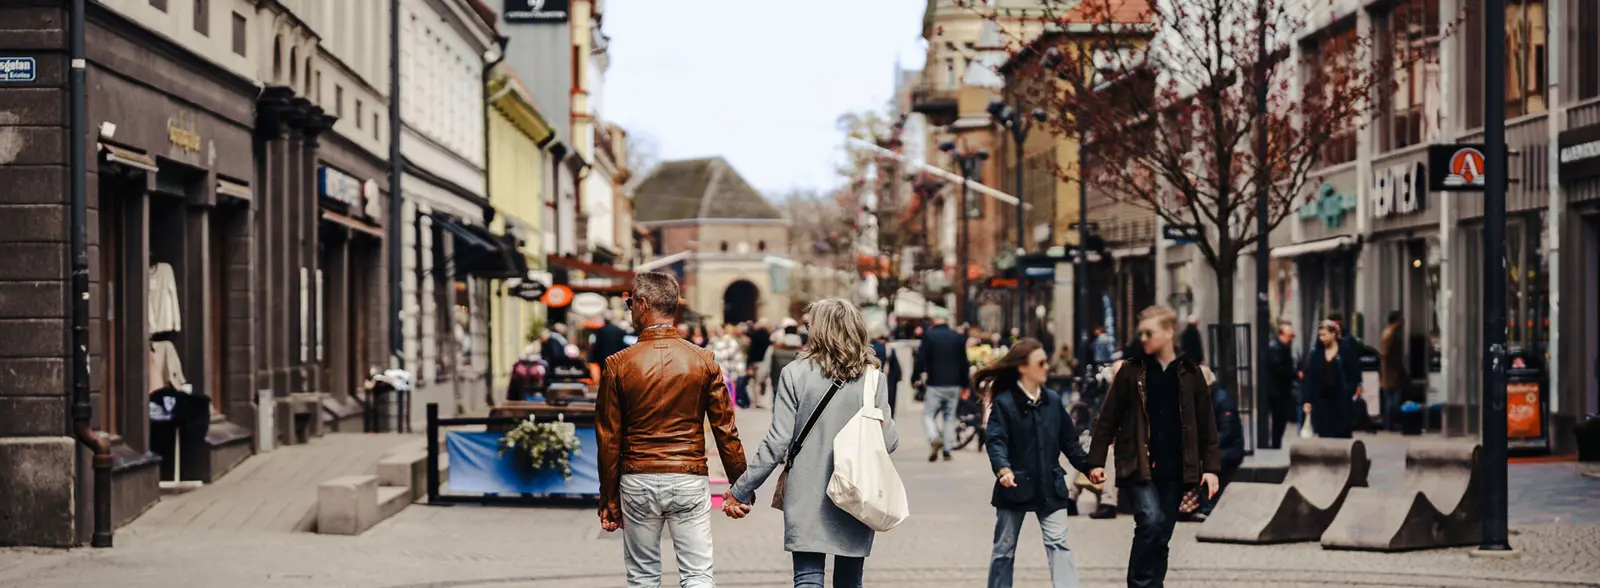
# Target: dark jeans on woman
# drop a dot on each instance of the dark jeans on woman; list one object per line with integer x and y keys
{"x": 1155, "y": 513}
{"x": 808, "y": 570}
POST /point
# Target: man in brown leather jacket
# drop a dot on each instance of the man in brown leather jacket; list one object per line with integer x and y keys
{"x": 654, "y": 398}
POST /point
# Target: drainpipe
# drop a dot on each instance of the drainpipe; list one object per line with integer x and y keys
{"x": 488, "y": 73}
{"x": 82, "y": 409}
{"x": 396, "y": 231}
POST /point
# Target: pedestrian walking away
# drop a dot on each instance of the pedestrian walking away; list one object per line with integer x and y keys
{"x": 1392, "y": 377}
{"x": 891, "y": 366}
{"x": 942, "y": 359}
{"x": 654, "y": 398}
{"x": 1281, "y": 377}
{"x": 1160, "y": 416}
{"x": 816, "y": 396}
{"x": 1029, "y": 431}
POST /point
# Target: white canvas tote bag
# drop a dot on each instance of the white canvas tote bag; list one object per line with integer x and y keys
{"x": 865, "y": 483}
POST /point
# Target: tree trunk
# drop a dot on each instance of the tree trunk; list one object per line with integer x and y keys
{"x": 1224, "y": 355}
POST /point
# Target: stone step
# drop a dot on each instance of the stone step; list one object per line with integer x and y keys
{"x": 392, "y": 500}
{"x": 347, "y": 505}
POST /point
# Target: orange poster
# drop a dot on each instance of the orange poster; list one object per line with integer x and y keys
{"x": 1522, "y": 410}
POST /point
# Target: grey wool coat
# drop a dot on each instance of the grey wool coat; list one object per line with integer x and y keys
{"x": 811, "y": 523}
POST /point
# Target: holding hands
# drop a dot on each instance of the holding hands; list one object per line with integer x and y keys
{"x": 733, "y": 508}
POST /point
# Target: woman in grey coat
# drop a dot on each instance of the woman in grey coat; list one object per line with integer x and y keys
{"x": 813, "y": 527}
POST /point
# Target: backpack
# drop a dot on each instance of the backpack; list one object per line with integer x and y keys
{"x": 865, "y": 483}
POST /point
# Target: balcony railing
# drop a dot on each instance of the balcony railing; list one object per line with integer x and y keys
{"x": 934, "y": 100}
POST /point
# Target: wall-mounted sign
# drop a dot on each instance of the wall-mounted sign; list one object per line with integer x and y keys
{"x": 558, "y": 296}
{"x": 588, "y": 304}
{"x": 1039, "y": 272}
{"x": 18, "y": 69}
{"x": 183, "y": 133}
{"x": 1399, "y": 190}
{"x": 537, "y": 11}
{"x": 528, "y": 290}
{"x": 339, "y": 187}
{"x": 1456, "y": 168}
{"x": 1182, "y": 233}
{"x": 1330, "y": 206}
{"x": 1580, "y": 153}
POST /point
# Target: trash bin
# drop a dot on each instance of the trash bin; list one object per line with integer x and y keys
{"x": 1411, "y": 418}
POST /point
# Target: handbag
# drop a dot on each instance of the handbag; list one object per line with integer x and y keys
{"x": 864, "y": 482}
{"x": 794, "y": 446}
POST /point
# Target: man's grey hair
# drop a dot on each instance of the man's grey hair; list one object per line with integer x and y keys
{"x": 658, "y": 290}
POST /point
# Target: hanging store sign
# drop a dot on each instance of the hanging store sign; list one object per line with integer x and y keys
{"x": 537, "y": 11}
{"x": 529, "y": 290}
{"x": 339, "y": 187}
{"x": 1580, "y": 153}
{"x": 1182, "y": 233}
{"x": 1399, "y": 190}
{"x": 18, "y": 69}
{"x": 1330, "y": 206}
{"x": 1456, "y": 168}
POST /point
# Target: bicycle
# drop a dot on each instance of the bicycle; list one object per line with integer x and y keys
{"x": 969, "y": 422}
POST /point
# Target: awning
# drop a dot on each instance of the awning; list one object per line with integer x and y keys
{"x": 481, "y": 253}
{"x": 661, "y": 262}
{"x": 1318, "y": 246}
{"x": 227, "y": 187}
{"x": 128, "y": 157}
{"x": 352, "y": 223}
{"x": 589, "y": 268}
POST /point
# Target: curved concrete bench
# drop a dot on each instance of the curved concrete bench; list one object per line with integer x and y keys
{"x": 1321, "y": 474}
{"x": 1437, "y": 506}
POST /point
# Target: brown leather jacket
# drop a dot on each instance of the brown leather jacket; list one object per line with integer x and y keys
{"x": 1124, "y": 422}
{"x": 654, "y": 398}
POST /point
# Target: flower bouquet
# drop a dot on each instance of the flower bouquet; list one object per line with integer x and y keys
{"x": 542, "y": 445}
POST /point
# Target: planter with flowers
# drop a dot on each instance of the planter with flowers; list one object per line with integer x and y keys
{"x": 539, "y": 446}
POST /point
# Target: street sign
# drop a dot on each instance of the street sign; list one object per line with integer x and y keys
{"x": 1457, "y": 168}
{"x": 558, "y": 296}
{"x": 1580, "y": 153}
{"x": 18, "y": 69}
{"x": 1182, "y": 233}
{"x": 1039, "y": 272}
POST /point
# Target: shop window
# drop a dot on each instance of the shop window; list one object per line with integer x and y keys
{"x": 1409, "y": 61}
{"x": 202, "y": 17}
{"x": 110, "y": 279}
{"x": 1588, "y": 56}
{"x": 240, "y": 35}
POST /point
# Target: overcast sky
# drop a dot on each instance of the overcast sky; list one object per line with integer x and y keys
{"x": 758, "y": 82}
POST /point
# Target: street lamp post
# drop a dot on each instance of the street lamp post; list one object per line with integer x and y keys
{"x": 968, "y": 161}
{"x": 1019, "y": 126}
{"x": 1495, "y": 531}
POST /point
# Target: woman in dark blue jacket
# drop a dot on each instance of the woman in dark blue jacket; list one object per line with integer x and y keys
{"x": 1029, "y": 431}
{"x": 1332, "y": 377}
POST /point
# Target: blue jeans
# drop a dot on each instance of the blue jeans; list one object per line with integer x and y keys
{"x": 808, "y": 570}
{"x": 652, "y": 502}
{"x": 1155, "y": 514}
{"x": 941, "y": 399}
{"x": 1007, "y": 523}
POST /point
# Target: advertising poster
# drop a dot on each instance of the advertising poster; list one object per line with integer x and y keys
{"x": 1523, "y": 410}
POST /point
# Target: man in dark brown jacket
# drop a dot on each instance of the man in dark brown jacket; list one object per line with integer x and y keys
{"x": 1392, "y": 378}
{"x": 1159, "y": 416}
{"x": 654, "y": 398}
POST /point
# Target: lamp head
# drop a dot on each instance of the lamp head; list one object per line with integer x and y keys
{"x": 996, "y": 108}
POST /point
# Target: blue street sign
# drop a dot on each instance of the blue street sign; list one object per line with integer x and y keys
{"x": 18, "y": 69}
{"x": 1039, "y": 272}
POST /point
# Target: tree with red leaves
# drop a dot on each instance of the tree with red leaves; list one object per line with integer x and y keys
{"x": 1168, "y": 100}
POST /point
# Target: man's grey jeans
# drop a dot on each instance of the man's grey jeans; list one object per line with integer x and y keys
{"x": 651, "y": 501}
{"x": 941, "y": 399}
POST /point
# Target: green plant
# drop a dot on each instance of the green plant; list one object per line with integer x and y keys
{"x": 543, "y": 445}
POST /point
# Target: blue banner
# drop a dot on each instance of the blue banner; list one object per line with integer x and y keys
{"x": 476, "y": 466}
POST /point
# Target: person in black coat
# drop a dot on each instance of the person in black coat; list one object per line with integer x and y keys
{"x": 608, "y": 340}
{"x": 891, "y": 367}
{"x": 1332, "y": 382}
{"x": 1029, "y": 431}
{"x": 943, "y": 357}
{"x": 1281, "y": 376}
{"x": 1190, "y": 343}
{"x": 1230, "y": 442}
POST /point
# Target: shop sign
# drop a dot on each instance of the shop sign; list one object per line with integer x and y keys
{"x": 1580, "y": 153}
{"x": 1330, "y": 206}
{"x": 339, "y": 187}
{"x": 529, "y": 290}
{"x": 1399, "y": 190}
{"x": 1182, "y": 233}
{"x": 536, "y": 11}
{"x": 18, "y": 69}
{"x": 1456, "y": 168}
{"x": 558, "y": 296}
{"x": 182, "y": 132}
{"x": 588, "y": 304}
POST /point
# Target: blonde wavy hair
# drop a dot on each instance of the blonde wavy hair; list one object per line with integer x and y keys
{"x": 838, "y": 342}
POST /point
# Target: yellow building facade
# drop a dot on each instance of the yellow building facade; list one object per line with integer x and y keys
{"x": 518, "y": 163}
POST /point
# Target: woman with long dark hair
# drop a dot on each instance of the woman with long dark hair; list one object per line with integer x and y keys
{"x": 1029, "y": 431}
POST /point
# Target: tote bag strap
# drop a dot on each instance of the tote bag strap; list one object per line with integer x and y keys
{"x": 794, "y": 447}
{"x": 869, "y": 388}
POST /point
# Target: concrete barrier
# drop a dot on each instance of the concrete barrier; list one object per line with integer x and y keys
{"x": 1436, "y": 506}
{"x": 1321, "y": 474}
{"x": 347, "y": 505}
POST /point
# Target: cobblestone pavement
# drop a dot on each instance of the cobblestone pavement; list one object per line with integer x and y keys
{"x": 945, "y": 543}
